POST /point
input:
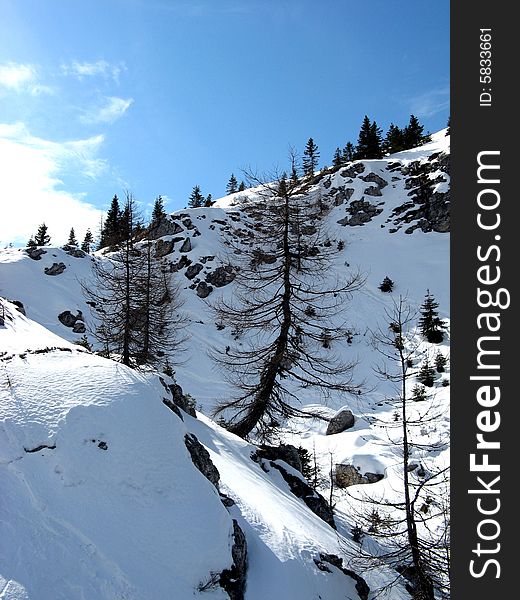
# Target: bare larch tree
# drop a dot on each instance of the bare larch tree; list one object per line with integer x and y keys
{"x": 287, "y": 306}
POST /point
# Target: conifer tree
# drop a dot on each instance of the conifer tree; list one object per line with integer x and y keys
{"x": 209, "y": 201}
{"x": 432, "y": 327}
{"x": 440, "y": 362}
{"x": 232, "y": 185}
{"x": 242, "y": 187}
{"x": 426, "y": 374}
{"x": 394, "y": 140}
{"x": 88, "y": 241}
{"x": 369, "y": 140}
{"x": 196, "y": 199}
{"x": 158, "y": 213}
{"x": 111, "y": 230}
{"x": 42, "y": 238}
{"x": 337, "y": 159}
{"x": 285, "y": 301}
{"x": 376, "y": 141}
{"x": 72, "y": 241}
{"x": 348, "y": 152}
{"x": 387, "y": 285}
{"x": 311, "y": 157}
{"x": 413, "y": 135}
{"x": 31, "y": 243}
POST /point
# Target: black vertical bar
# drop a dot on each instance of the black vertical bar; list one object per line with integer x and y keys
{"x": 483, "y": 120}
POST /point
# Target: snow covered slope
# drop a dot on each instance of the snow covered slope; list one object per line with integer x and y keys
{"x": 101, "y": 500}
{"x": 100, "y": 497}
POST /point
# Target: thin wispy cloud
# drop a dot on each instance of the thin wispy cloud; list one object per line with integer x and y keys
{"x": 99, "y": 68}
{"x": 430, "y": 103}
{"x": 112, "y": 109}
{"x": 31, "y": 187}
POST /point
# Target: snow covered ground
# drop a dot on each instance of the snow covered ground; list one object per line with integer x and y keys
{"x": 136, "y": 519}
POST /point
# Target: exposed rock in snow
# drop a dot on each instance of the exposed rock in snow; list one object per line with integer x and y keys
{"x": 55, "y": 269}
{"x": 286, "y": 452}
{"x": 193, "y": 270}
{"x": 233, "y": 580}
{"x": 221, "y": 276}
{"x": 201, "y": 459}
{"x": 340, "y": 422}
{"x": 348, "y": 475}
{"x": 186, "y": 245}
{"x": 163, "y": 248}
{"x": 203, "y": 289}
{"x": 166, "y": 226}
{"x": 331, "y": 559}
{"x": 36, "y": 253}
{"x": 74, "y": 251}
{"x": 354, "y": 170}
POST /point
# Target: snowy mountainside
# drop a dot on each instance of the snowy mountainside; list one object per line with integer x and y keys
{"x": 101, "y": 500}
{"x": 387, "y": 217}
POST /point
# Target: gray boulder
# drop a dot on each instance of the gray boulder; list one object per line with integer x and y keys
{"x": 163, "y": 248}
{"x": 35, "y": 253}
{"x": 374, "y": 178}
{"x": 186, "y": 245}
{"x": 372, "y": 191}
{"x": 221, "y": 276}
{"x": 193, "y": 270}
{"x": 347, "y": 475}
{"x": 353, "y": 171}
{"x": 165, "y": 227}
{"x": 74, "y": 321}
{"x": 74, "y": 251}
{"x": 79, "y": 327}
{"x": 203, "y": 289}
{"x": 341, "y": 421}
{"x": 55, "y": 269}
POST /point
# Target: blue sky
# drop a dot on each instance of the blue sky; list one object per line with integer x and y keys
{"x": 156, "y": 96}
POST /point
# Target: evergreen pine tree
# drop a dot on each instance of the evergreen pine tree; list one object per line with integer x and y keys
{"x": 88, "y": 240}
{"x": 158, "y": 212}
{"x": 448, "y": 124}
{"x": 311, "y": 157}
{"x": 111, "y": 230}
{"x": 337, "y": 159}
{"x": 209, "y": 201}
{"x": 413, "y": 133}
{"x": 232, "y": 185}
{"x": 196, "y": 199}
{"x": 348, "y": 152}
{"x": 42, "y": 238}
{"x": 387, "y": 285}
{"x": 72, "y": 241}
{"x": 376, "y": 141}
{"x": 430, "y": 324}
{"x": 426, "y": 375}
{"x": 394, "y": 140}
{"x": 242, "y": 187}
{"x": 440, "y": 362}
{"x": 363, "y": 143}
{"x": 31, "y": 243}
{"x": 369, "y": 140}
